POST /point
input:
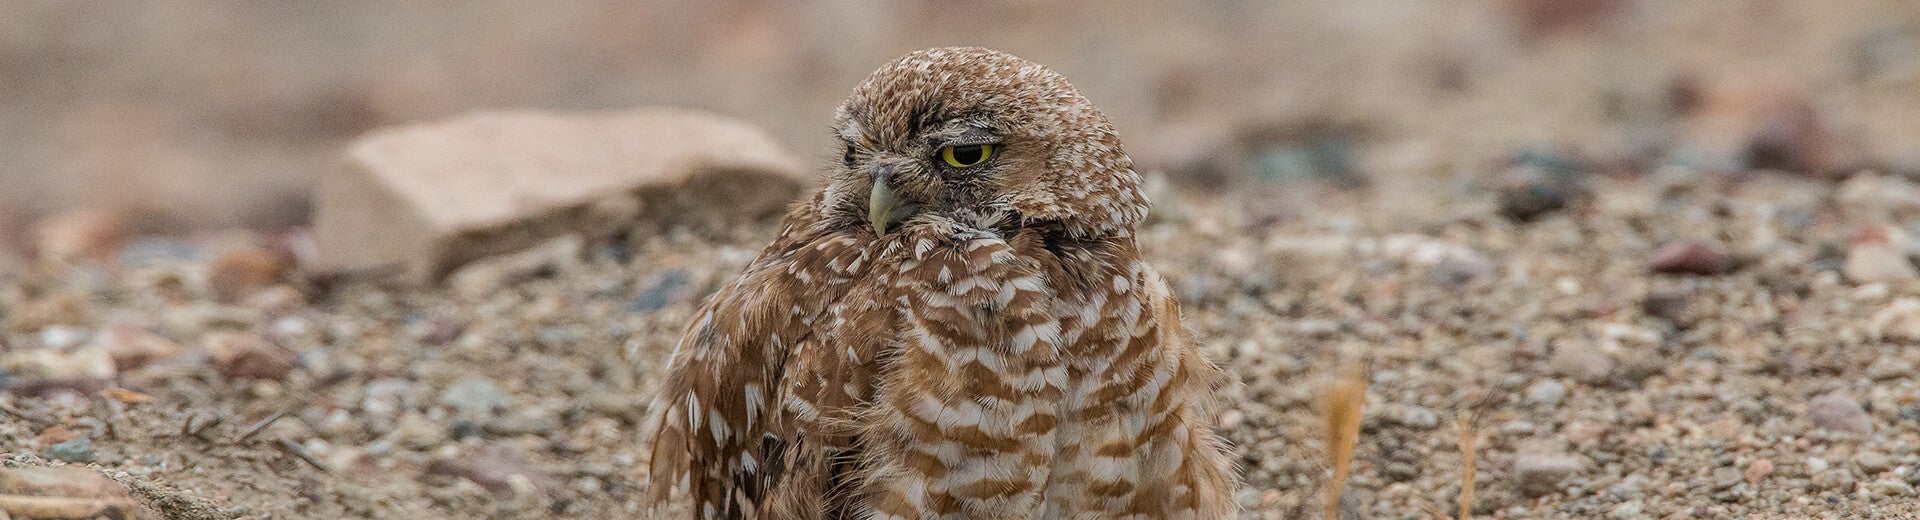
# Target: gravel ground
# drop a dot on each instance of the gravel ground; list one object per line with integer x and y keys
{"x": 1752, "y": 369}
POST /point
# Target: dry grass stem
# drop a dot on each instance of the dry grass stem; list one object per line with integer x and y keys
{"x": 1344, "y": 399}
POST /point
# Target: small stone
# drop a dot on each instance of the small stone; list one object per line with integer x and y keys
{"x": 1872, "y": 197}
{"x": 1816, "y": 465}
{"x": 1690, "y": 257}
{"x": 1581, "y": 362}
{"x": 475, "y": 397}
{"x": 1547, "y": 392}
{"x": 388, "y": 397}
{"x": 414, "y": 431}
{"x": 1232, "y": 419}
{"x": 1582, "y": 433}
{"x": 241, "y": 355}
{"x": 1891, "y": 488}
{"x": 1535, "y": 195}
{"x": 1541, "y": 474}
{"x": 1874, "y": 259}
{"x": 661, "y": 292}
{"x": 1873, "y": 462}
{"x": 240, "y": 271}
{"x": 1419, "y": 417}
{"x": 1839, "y": 412}
{"x": 78, "y": 451}
{"x": 1626, "y": 510}
{"x": 89, "y": 362}
{"x": 1675, "y": 306}
{"x": 132, "y": 347}
{"x": 62, "y": 337}
{"x": 501, "y": 470}
{"x": 1899, "y": 320}
{"x": 1757, "y": 471}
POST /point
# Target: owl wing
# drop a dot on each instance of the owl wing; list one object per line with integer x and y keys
{"x": 725, "y": 427}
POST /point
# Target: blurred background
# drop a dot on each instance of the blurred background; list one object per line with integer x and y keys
{"x": 190, "y": 114}
{"x": 1647, "y": 248}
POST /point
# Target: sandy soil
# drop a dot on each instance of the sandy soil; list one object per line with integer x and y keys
{"x": 519, "y": 389}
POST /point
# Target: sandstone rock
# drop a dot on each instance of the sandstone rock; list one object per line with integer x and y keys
{"x": 425, "y": 199}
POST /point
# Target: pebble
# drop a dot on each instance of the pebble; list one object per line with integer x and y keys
{"x": 1816, "y": 465}
{"x": 414, "y": 431}
{"x": 1873, "y": 462}
{"x": 78, "y": 451}
{"x": 1690, "y": 257}
{"x": 661, "y": 293}
{"x": 89, "y": 362}
{"x": 241, "y": 355}
{"x": 1877, "y": 262}
{"x": 1419, "y": 417}
{"x": 1581, "y": 362}
{"x": 1547, "y": 392}
{"x": 240, "y": 271}
{"x": 1758, "y": 470}
{"x": 1899, "y": 320}
{"x": 1627, "y": 510}
{"x": 133, "y": 348}
{"x": 1891, "y": 488}
{"x": 475, "y": 397}
{"x": 1536, "y": 196}
{"x": 1675, "y": 306}
{"x": 62, "y": 337}
{"x": 499, "y": 469}
{"x": 1232, "y": 419}
{"x": 1541, "y": 474}
{"x": 388, "y": 397}
{"x": 1839, "y": 412}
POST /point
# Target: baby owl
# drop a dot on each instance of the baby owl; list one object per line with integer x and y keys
{"x": 958, "y": 325}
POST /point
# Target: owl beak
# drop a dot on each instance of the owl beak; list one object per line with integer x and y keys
{"x": 881, "y": 205}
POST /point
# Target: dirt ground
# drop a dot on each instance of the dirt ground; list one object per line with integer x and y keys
{"x": 518, "y": 391}
{"x": 1656, "y": 259}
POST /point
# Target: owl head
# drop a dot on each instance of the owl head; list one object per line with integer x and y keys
{"x": 983, "y": 138}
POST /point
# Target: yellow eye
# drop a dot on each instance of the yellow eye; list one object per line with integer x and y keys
{"x": 965, "y": 156}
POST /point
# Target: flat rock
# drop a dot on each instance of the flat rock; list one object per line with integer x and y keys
{"x": 1540, "y": 474}
{"x": 421, "y": 200}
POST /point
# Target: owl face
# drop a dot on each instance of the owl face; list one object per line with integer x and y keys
{"x": 982, "y": 138}
{"x": 950, "y": 165}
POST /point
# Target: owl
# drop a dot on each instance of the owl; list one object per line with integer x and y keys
{"x": 958, "y": 325}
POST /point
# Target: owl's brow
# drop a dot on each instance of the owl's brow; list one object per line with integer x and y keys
{"x": 963, "y": 133}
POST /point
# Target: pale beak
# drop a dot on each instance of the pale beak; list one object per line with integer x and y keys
{"x": 881, "y": 204}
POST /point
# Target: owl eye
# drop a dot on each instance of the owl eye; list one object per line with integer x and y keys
{"x": 848, "y": 158}
{"x": 965, "y": 156}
